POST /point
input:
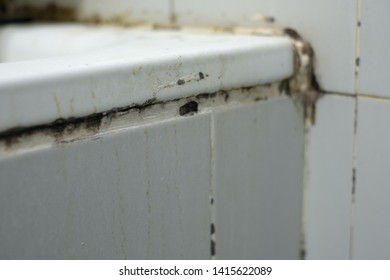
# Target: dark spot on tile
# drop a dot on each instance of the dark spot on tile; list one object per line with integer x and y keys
{"x": 188, "y": 108}
{"x": 284, "y": 87}
{"x": 357, "y": 61}
{"x": 212, "y": 201}
{"x": 269, "y": 19}
{"x": 226, "y": 98}
{"x": 303, "y": 254}
{"x": 212, "y": 228}
{"x": 180, "y": 82}
{"x": 212, "y": 248}
{"x": 359, "y": 23}
{"x": 292, "y": 34}
{"x": 201, "y": 76}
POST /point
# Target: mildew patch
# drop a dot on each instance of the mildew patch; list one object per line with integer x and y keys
{"x": 117, "y": 20}
{"x": 65, "y": 131}
{"x": 357, "y": 62}
{"x": 188, "y": 108}
{"x": 61, "y": 131}
{"x": 303, "y": 86}
{"x": 48, "y": 12}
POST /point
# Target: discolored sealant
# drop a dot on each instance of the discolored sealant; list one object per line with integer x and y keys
{"x": 64, "y": 131}
{"x": 188, "y": 108}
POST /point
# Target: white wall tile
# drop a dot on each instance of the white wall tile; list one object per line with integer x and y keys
{"x": 374, "y": 48}
{"x": 119, "y": 11}
{"x": 259, "y": 180}
{"x": 329, "y": 190}
{"x": 330, "y": 26}
{"x": 139, "y": 193}
{"x": 371, "y": 239}
{"x": 128, "y": 11}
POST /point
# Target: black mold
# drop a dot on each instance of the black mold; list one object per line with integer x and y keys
{"x": 284, "y": 87}
{"x": 180, "y": 82}
{"x": 212, "y": 248}
{"x": 188, "y": 108}
{"x": 292, "y": 34}
{"x": 212, "y": 228}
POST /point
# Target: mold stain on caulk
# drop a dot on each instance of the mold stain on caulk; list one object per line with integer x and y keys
{"x": 189, "y": 108}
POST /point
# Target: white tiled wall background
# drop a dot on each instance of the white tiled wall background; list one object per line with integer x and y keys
{"x": 348, "y": 151}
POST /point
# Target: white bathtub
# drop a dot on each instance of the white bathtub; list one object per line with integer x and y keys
{"x": 123, "y": 143}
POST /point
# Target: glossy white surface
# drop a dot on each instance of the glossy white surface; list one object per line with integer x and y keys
{"x": 371, "y": 238}
{"x": 137, "y": 193}
{"x": 329, "y": 189}
{"x": 374, "y": 48}
{"x": 133, "y": 66}
{"x": 259, "y": 180}
{"x": 329, "y": 26}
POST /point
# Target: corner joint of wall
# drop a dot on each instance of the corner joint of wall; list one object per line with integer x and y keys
{"x": 303, "y": 84}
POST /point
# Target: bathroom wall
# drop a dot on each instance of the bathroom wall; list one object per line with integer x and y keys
{"x": 224, "y": 183}
{"x": 346, "y": 168}
{"x": 347, "y": 152}
{"x": 347, "y": 148}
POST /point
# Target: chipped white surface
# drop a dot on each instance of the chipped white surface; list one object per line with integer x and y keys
{"x": 82, "y": 77}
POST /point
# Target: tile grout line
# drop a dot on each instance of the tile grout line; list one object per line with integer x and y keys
{"x": 355, "y": 124}
{"x": 306, "y": 177}
{"x": 212, "y": 188}
{"x": 359, "y": 96}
